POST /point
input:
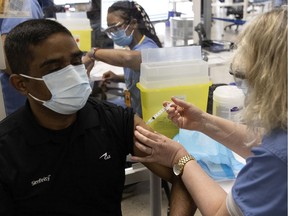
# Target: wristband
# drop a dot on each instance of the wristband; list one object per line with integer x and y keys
{"x": 94, "y": 53}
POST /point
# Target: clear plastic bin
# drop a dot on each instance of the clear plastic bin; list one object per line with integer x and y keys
{"x": 171, "y": 54}
{"x": 168, "y": 74}
{"x": 173, "y": 66}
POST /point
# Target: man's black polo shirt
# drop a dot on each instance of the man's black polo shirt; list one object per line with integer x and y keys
{"x": 76, "y": 171}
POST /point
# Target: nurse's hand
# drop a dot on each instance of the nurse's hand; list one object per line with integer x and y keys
{"x": 88, "y": 62}
{"x": 110, "y": 76}
{"x": 185, "y": 115}
{"x": 160, "y": 149}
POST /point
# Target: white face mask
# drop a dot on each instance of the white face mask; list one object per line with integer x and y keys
{"x": 69, "y": 88}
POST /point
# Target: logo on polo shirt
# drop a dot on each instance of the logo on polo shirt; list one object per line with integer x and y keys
{"x": 41, "y": 180}
{"x": 105, "y": 156}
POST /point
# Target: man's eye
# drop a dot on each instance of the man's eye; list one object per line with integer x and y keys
{"x": 52, "y": 70}
{"x": 77, "y": 62}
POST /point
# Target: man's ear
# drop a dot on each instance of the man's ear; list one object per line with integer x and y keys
{"x": 18, "y": 83}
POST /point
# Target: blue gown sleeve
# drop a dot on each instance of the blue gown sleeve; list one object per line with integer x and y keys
{"x": 261, "y": 186}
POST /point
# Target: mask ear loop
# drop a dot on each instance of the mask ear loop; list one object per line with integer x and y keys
{"x": 37, "y": 99}
{"x": 131, "y": 33}
{"x": 34, "y": 78}
{"x": 127, "y": 28}
{"x": 29, "y": 77}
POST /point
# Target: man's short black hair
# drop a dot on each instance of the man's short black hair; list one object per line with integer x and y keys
{"x": 20, "y": 40}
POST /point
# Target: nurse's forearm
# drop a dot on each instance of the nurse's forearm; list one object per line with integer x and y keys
{"x": 209, "y": 197}
{"x": 119, "y": 57}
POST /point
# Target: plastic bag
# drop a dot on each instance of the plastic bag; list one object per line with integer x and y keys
{"x": 215, "y": 159}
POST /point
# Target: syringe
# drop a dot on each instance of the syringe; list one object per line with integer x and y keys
{"x": 156, "y": 115}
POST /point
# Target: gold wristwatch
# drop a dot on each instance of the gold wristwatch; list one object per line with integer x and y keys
{"x": 178, "y": 168}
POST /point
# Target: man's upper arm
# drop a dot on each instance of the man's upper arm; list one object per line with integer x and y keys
{"x": 139, "y": 122}
{"x": 162, "y": 171}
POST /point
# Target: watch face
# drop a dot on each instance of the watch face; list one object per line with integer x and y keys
{"x": 177, "y": 169}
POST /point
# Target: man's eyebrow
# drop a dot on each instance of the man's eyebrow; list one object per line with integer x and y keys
{"x": 56, "y": 60}
{"x": 50, "y": 61}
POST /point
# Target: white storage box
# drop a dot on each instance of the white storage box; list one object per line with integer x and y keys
{"x": 173, "y": 66}
{"x": 169, "y": 74}
{"x": 181, "y": 27}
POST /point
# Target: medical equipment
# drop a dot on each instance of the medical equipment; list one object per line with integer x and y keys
{"x": 170, "y": 71}
{"x": 156, "y": 115}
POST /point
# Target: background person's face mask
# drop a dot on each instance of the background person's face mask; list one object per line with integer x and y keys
{"x": 120, "y": 37}
{"x": 69, "y": 88}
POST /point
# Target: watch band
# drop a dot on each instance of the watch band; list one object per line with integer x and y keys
{"x": 182, "y": 161}
{"x": 94, "y": 53}
{"x": 179, "y": 167}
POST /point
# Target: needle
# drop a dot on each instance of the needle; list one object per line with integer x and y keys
{"x": 156, "y": 115}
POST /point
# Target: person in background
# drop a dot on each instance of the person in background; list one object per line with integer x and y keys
{"x": 128, "y": 26}
{"x": 64, "y": 153}
{"x": 98, "y": 37}
{"x": 260, "y": 69}
{"x": 13, "y": 99}
{"x": 49, "y": 8}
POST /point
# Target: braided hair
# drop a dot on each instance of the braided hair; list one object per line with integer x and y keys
{"x": 132, "y": 10}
